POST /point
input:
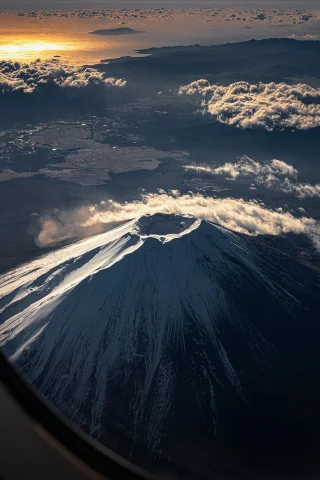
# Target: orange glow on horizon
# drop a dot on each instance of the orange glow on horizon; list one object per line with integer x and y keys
{"x": 18, "y": 49}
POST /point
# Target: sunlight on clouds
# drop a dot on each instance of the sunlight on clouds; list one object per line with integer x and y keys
{"x": 28, "y": 77}
{"x": 268, "y": 106}
{"x": 248, "y": 217}
{"x": 273, "y": 175}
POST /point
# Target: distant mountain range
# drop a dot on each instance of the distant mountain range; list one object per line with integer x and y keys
{"x": 174, "y": 341}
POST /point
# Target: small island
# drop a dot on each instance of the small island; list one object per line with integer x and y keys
{"x": 115, "y": 31}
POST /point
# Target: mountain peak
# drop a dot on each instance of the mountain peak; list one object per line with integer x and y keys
{"x": 133, "y": 329}
{"x": 164, "y": 225}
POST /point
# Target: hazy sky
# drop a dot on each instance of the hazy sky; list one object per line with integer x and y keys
{"x": 63, "y": 4}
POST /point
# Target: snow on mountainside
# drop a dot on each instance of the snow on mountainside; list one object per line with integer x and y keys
{"x": 128, "y": 331}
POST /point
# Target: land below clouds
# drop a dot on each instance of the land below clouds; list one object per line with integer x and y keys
{"x": 116, "y": 31}
{"x": 226, "y": 63}
{"x": 149, "y": 113}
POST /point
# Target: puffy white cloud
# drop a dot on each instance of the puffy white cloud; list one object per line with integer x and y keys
{"x": 266, "y": 106}
{"x": 17, "y": 76}
{"x": 270, "y": 175}
{"x": 249, "y": 217}
{"x": 283, "y": 168}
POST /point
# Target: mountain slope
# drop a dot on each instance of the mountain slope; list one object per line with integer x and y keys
{"x": 161, "y": 327}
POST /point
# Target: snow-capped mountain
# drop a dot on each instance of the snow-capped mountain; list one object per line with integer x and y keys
{"x": 155, "y": 337}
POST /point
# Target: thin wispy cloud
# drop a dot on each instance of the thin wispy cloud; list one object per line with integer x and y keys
{"x": 248, "y": 217}
{"x": 277, "y": 175}
{"x": 246, "y": 167}
{"x": 301, "y": 190}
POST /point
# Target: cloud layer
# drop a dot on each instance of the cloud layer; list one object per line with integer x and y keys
{"x": 266, "y": 106}
{"x": 277, "y": 175}
{"x": 249, "y": 217}
{"x": 125, "y": 15}
{"x": 16, "y": 76}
